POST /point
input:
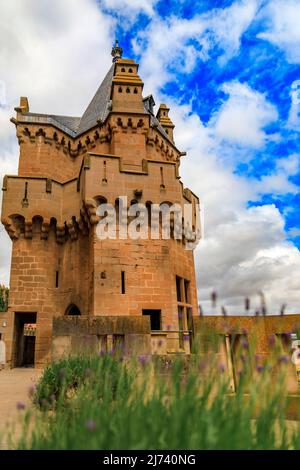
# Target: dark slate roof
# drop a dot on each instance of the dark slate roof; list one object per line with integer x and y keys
{"x": 71, "y": 123}
{"x": 98, "y": 107}
{"x": 154, "y": 122}
{"x": 68, "y": 124}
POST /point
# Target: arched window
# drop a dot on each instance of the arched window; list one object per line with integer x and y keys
{"x": 135, "y": 91}
{"x": 122, "y": 69}
{"x": 72, "y": 310}
{"x": 120, "y": 89}
{"x": 130, "y": 70}
{"x": 127, "y": 90}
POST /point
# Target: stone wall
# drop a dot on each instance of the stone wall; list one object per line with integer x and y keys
{"x": 129, "y": 335}
{"x": 262, "y": 333}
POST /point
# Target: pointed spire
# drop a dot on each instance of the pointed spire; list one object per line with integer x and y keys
{"x": 117, "y": 51}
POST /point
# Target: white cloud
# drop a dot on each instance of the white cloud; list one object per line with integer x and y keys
{"x": 56, "y": 56}
{"x": 244, "y": 250}
{"x": 294, "y": 113}
{"x": 243, "y": 115}
{"x": 130, "y": 8}
{"x": 180, "y": 42}
{"x": 58, "y": 62}
{"x": 283, "y": 27}
{"x": 278, "y": 182}
{"x": 8, "y": 166}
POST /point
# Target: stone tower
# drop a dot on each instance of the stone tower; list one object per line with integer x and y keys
{"x": 68, "y": 167}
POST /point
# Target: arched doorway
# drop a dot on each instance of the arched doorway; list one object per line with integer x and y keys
{"x": 73, "y": 310}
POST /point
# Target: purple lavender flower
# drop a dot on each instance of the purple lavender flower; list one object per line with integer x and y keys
{"x": 224, "y": 311}
{"x": 272, "y": 341}
{"x": 283, "y": 359}
{"x": 143, "y": 360}
{"x": 259, "y": 368}
{"x": 282, "y": 309}
{"x": 213, "y": 297}
{"x": 21, "y": 405}
{"x": 221, "y": 368}
{"x": 186, "y": 337}
{"x": 245, "y": 344}
{"x": 90, "y": 425}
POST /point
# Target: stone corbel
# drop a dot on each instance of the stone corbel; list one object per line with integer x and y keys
{"x": 72, "y": 229}
{"x": 60, "y": 234}
{"x": 10, "y": 228}
{"x": 28, "y": 229}
{"x": 91, "y": 208}
{"x": 45, "y": 229}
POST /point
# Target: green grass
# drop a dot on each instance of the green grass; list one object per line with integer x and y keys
{"x": 111, "y": 403}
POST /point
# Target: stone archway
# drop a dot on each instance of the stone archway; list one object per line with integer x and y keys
{"x": 72, "y": 310}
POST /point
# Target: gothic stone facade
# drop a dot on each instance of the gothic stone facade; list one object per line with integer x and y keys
{"x": 67, "y": 167}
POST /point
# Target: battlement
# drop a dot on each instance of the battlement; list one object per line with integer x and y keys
{"x": 118, "y": 162}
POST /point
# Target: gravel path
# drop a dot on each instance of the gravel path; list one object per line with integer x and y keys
{"x": 14, "y": 388}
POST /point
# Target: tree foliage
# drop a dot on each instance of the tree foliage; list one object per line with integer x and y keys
{"x": 4, "y": 294}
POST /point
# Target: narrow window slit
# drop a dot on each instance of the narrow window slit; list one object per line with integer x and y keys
{"x": 56, "y": 279}
{"x": 123, "y": 282}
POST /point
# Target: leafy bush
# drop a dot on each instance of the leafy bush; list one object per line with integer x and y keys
{"x": 4, "y": 295}
{"x": 111, "y": 403}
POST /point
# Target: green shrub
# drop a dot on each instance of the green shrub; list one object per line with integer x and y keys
{"x": 111, "y": 403}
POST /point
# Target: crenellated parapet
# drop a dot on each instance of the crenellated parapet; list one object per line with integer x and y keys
{"x": 30, "y": 132}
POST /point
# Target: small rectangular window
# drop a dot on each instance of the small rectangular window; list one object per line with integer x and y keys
{"x": 178, "y": 288}
{"x": 123, "y": 282}
{"x": 155, "y": 319}
{"x": 56, "y": 279}
{"x": 187, "y": 291}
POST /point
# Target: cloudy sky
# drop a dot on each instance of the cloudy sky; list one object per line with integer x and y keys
{"x": 230, "y": 71}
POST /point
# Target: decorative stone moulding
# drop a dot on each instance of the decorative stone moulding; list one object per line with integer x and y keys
{"x": 28, "y": 229}
{"x": 73, "y": 146}
{"x": 10, "y": 228}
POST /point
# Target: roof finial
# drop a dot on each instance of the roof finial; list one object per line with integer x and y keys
{"x": 117, "y": 51}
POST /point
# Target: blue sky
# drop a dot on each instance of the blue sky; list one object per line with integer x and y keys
{"x": 258, "y": 63}
{"x": 230, "y": 72}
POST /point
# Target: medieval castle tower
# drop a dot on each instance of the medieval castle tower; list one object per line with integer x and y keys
{"x": 68, "y": 167}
